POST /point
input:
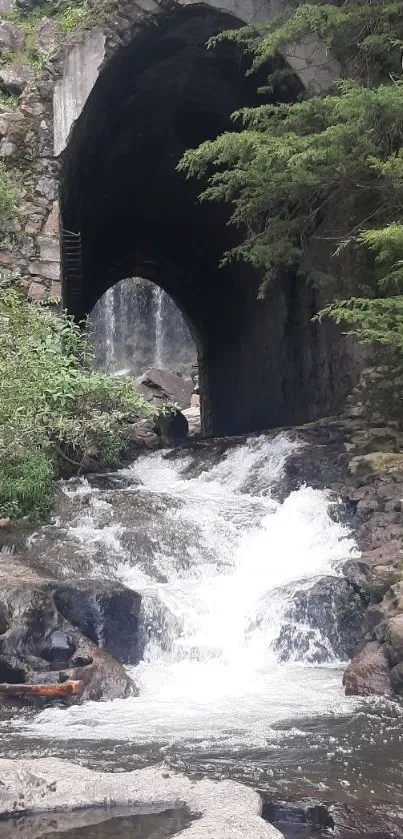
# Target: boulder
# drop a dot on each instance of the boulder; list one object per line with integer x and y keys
{"x": 368, "y": 673}
{"x": 143, "y": 434}
{"x": 322, "y": 621}
{"x": 106, "y": 613}
{"x": 46, "y": 35}
{"x": 12, "y": 38}
{"x": 162, "y": 387}
{"x": 173, "y": 426}
{"x": 39, "y": 645}
{"x": 15, "y": 78}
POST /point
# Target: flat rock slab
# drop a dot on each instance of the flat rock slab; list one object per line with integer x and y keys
{"x": 224, "y": 809}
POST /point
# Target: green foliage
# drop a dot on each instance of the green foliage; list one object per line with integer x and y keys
{"x": 9, "y": 193}
{"x": 54, "y": 409}
{"x": 325, "y": 168}
{"x": 8, "y": 100}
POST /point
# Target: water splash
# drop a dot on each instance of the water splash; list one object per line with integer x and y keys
{"x": 230, "y": 557}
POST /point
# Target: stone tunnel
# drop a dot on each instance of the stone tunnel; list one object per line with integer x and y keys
{"x": 126, "y": 211}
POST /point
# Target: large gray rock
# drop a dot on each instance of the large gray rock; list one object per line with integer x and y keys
{"x": 106, "y": 613}
{"x": 322, "y": 621}
{"x": 224, "y": 809}
{"x": 12, "y": 38}
{"x": 162, "y": 387}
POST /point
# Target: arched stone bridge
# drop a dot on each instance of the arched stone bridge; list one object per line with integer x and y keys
{"x": 128, "y": 97}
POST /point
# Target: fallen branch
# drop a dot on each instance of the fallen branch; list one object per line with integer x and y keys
{"x": 69, "y": 688}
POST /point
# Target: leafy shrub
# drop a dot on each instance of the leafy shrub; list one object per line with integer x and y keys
{"x": 54, "y": 409}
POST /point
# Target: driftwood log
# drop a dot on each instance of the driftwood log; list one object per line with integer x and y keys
{"x": 69, "y": 688}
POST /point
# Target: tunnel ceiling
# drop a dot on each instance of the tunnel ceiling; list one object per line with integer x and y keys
{"x": 162, "y": 94}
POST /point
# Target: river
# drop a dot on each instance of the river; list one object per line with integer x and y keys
{"x": 218, "y": 554}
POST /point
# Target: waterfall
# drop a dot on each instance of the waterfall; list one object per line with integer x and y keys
{"x": 217, "y": 560}
{"x": 136, "y": 325}
{"x": 159, "y": 335}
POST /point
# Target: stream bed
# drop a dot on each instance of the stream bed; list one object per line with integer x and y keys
{"x": 228, "y": 687}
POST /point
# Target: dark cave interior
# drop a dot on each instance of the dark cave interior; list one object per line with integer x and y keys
{"x": 262, "y": 364}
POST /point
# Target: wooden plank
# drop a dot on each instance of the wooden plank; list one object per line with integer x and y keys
{"x": 69, "y": 688}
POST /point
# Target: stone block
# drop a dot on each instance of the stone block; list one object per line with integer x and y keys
{"x": 48, "y": 270}
{"x": 7, "y": 148}
{"x": 47, "y": 187}
{"x": 49, "y": 248}
{"x": 51, "y": 226}
{"x": 56, "y": 290}
{"x": 36, "y": 291}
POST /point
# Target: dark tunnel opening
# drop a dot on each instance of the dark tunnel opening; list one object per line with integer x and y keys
{"x": 137, "y": 216}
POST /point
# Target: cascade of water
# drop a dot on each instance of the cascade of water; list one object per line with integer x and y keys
{"x": 110, "y": 328}
{"x": 217, "y": 566}
{"x": 136, "y": 325}
{"x": 159, "y": 334}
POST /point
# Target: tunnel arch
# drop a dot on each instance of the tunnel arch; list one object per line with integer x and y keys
{"x": 126, "y": 211}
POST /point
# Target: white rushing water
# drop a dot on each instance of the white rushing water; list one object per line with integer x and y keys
{"x": 226, "y": 560}
{"x": 136, "y": 325}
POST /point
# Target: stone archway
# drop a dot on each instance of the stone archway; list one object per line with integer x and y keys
{"x": 127, "y": 212}
{"x": 104, "y": 125}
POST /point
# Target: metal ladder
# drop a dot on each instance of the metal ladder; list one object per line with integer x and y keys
{"x": 72, "y": 271}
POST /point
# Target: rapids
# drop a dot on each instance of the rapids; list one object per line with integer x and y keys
{"x": 214, "y": 602}
{"x": 217, "y": 557}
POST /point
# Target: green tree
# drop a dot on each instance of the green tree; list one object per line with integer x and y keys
{"x": 326, "y": 165}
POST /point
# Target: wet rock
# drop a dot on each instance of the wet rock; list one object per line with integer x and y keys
{"x": 322, "y": 622}
{"x": 367, "y": 465}
{"x": 369, "y": 672}
{"x": 106, "y": 613}
{"x": 14, "y": 79}
{"x": 373, "y": 580}
{"x": 37, "y": 643}
{"x": 173, "y": 426}
{"x": 161, "y": 387}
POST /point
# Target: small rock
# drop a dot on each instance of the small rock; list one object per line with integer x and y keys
{"x": 36, "y": 291}
{"x": 6, "y": 6}
{"x": 161, "y": 387}
{"x": 5, "y": 524}
{"x": 47, "y": 187}
{"x": 56, "y": 290}
{"x": 8, "y": 149}
{"x": 194, "y": 421}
